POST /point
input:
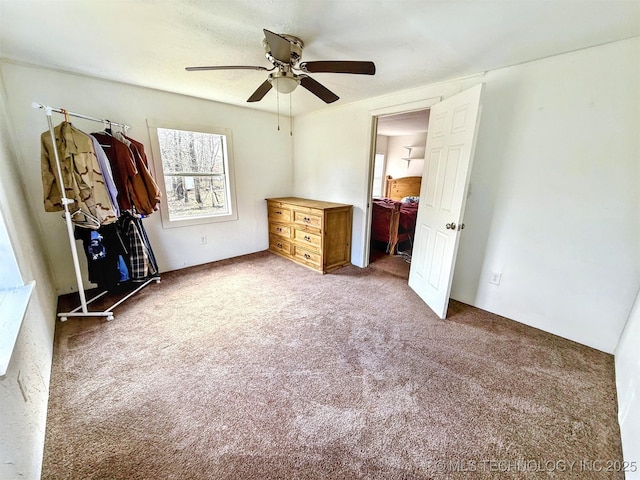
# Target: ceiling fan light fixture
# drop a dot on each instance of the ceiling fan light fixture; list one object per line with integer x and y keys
{"x": 283, "y": 82}
{"x": 286, "y": 84}
{"x": 284, "y": 52}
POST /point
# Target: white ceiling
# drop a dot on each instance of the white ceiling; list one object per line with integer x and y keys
{"x": 403, "y": 123}
{"x": 412, "y": 42}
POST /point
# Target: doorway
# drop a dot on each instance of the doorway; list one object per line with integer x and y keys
{"x": 447, "y": 161}
{"x": 400, "y": 140}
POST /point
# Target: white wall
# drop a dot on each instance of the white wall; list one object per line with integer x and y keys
{"x": 23, "y": 418}
{"x": 262, "y": 157}
{"x": 628, "y": 386}
{"x": 554, "y": 179}
{"x": 396, "y": 166}
{"x": 332, "y": 153}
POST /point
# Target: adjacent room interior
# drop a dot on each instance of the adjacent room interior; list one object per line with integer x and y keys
{"x": 398, "y": 165}
{"x": 285, "y": 261}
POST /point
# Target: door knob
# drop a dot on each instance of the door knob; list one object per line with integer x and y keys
{"x": 450, "y": 226}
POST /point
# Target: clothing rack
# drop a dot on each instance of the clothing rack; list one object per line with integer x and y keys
{"x": 82, "y": 310}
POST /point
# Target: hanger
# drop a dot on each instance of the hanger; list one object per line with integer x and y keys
{"x": 85, "y": 220}
{"x": 108, "y": 129}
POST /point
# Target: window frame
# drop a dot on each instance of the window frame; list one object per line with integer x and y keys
{"x": 167, "y": 222}
{"x": 14, "y": 298}
{"x": 383, "y": 166}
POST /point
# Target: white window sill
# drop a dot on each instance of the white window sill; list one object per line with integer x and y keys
{"x": 13, "y": 305}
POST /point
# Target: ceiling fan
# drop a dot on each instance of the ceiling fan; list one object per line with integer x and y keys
{"x": 285, "y": 52}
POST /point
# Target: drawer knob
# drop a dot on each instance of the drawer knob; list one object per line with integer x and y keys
{"x": 306, "y": 219}
{"x": 307, "y": 238}
{"x": 279, "y": 245}
{"x": 278, "y": 229}
{"x": 279, "y": 212}
{"x": 307, "y": 256}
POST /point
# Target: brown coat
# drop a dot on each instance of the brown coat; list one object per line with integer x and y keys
{"x": 153, "y": 191}
{"x": 132, "y": 191}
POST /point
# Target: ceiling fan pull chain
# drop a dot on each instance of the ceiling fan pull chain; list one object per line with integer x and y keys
{"x": 290, "y": 116}
{"x": 278, "y": 106}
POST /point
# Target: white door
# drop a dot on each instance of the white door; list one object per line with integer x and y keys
{"x": 445, "y": 180}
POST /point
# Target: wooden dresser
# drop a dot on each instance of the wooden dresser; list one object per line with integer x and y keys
{"x": 312, "y": 233}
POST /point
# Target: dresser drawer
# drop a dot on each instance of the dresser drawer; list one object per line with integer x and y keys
{"x": 308, "y": 217}
{"x": 281, "y": 230}
{"x": 279, "y": 214}
{"x": 307, "y": 256}
{"x": 308, "y": 240}
{"x": 312, "y": 233}
{"x": 278, "y": 244}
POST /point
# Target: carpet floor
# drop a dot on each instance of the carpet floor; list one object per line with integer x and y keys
{"x": 391, "y": 264}
{"x": 257, "y": 368}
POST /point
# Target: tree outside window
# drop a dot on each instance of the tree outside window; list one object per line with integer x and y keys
{"x": 196, "y": 172}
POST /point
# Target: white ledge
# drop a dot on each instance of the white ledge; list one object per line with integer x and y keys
{"x": 13, "y": 305}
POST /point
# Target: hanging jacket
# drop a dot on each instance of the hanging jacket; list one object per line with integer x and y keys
{"x": 105, "y": 168}
{"x": 132, "y": 191}
{"x": 103, "y": 257}
{"x": 153, "y": 191}
{"x": 141, "y": 261}
{"x": 81, "y": 174}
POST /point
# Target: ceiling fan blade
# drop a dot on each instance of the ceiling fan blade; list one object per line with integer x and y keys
{"x": 318, "y": 89}
{"x": 260, "y": 92}
{"x": 279, "y": 46}
{"x": 228, "y": 67}
{"x": 339, "y": 66}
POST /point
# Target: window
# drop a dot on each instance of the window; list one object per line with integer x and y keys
{"x": 378, "y": 174}
{"x": 197, "y": 174}
{"x": 14, "y": 296}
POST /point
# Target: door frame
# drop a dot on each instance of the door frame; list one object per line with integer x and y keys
{"x": 425, "y": 104}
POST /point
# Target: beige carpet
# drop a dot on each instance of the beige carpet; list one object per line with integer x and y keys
{"x": 391, "y": 264}
{"x": 256, "y": 368}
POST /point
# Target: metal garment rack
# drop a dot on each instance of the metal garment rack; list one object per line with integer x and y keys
{"x": 82, "y": 310}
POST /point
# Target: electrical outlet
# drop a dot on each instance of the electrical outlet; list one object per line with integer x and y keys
{"x": 495, "y": 278}
{"x": 203, "y": 240}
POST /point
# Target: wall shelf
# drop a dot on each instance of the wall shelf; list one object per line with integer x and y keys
{"x": 408, "y": 158}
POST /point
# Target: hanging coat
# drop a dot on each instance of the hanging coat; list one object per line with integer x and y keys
{"x": 104, "y": 250}
{"x": 131, "y": 187}
{"x": 81, "y": 174}
{"x": 153, "y": 191}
